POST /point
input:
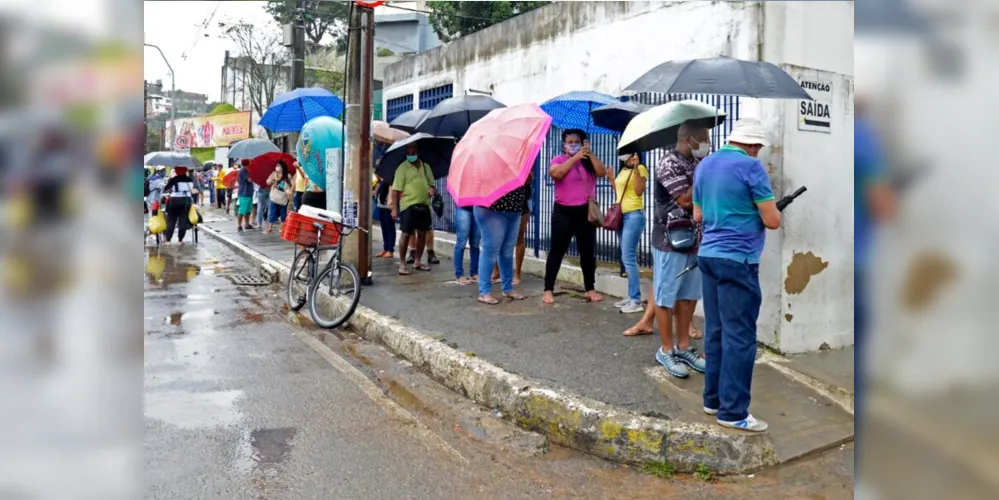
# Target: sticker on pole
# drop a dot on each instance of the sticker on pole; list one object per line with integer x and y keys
{"x": 815, "y": 115}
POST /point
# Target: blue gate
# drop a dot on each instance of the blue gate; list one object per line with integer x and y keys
{"x": 428, "y": 99}
{"x": 398, "y": 106}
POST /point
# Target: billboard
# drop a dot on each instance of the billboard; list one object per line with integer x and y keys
{"x": 209, "y": 131}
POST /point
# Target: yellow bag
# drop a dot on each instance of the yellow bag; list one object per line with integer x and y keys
{"x": 157, "y": 223}
{"x": 192, "y": 215}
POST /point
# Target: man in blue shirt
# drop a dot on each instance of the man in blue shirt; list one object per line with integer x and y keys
{"x": 244, "y": 197}
{"x": 733, "y": 200}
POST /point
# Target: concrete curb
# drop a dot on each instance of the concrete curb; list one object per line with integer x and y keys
{"x": 566, "y": 419}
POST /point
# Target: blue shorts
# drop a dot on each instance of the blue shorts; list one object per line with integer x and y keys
{"x": 666, "y": 288}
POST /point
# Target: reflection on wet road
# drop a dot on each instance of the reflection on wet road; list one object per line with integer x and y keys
{"x": 237, "y": 406}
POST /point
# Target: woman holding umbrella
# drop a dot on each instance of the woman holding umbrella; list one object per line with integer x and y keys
{"x": 574, "y": 185}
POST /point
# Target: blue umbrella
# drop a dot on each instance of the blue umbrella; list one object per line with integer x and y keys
{"x": 251, "y": 148}
{"x": 291, "y": 110}
{"x": 617, "y": 115}
{"x": 572, "y": 110}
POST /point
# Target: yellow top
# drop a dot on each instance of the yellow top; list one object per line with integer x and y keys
{"x": 629, "y": 200}
{"x": 219, "y": 175}
{"x": 300, "y": 180}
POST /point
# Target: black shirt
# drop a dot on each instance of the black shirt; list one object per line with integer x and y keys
{"x": 513, "y": 201}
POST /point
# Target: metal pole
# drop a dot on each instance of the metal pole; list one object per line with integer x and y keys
{"x": 364, "y": 190}
{"x": 298, "y": 47}
{"x": 352, "y": 139}
{"x": 173, "y": 92}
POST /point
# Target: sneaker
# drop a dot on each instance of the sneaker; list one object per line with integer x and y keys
{"x": 632, "y": 307}
{"x": 411, "y": 258}
{"x": 621, "y": 303}
{"x": 674, "y": 367}
{"x": 710, "y": 411}
{"x": 689, "y": 358}
{"x": 432, "y": 258}
{"x": 750, "y": 423}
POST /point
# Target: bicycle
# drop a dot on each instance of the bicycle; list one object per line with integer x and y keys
{"x": 306, "y": 274}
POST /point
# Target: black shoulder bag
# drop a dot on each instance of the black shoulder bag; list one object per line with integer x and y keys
{"x": 437, "y": 202}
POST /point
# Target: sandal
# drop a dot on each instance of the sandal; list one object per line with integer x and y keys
{"x": 695, "y": 333}
{"x": 404, "y": 272}
{"x": 514, "y": 296}
{"x": 593, "y": 296}
{"x": 548, "y": 298}
{"x": 488, "y": 299}
{"x": 464, "y": 280}
{"x": 423, "y": 267}
{"x": 635, "y": 332}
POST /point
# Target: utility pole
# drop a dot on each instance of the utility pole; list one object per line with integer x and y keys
{"x": 298, "y": 48}
{"x": 173, "y": 92}
{"x": 364, "y": 198}
{"x": 352, "y": 141}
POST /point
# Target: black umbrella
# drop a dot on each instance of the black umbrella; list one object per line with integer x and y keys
{"x": 409, "y": 120}
{"x": 616, "y": 116}
{"x": 434, "y": 151}
{"x": 452, "y": 117}
{"x": 720, "y": 75}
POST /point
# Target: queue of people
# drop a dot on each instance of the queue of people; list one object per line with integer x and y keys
{"x": 709, "y": 208}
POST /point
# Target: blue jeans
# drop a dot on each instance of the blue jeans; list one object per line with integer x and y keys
{"x": 732, "y": 299}
{"x": 632, "y": 227}
{"x": 499, "y": 237}
{"x": 388, "y": 229}
{"x": 275, "y": 212}
{"x": 467, "y": 233}
{"x": 296, "y": 201}
{"x": 263, "y": 201}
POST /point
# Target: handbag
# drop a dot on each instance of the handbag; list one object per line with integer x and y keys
{"x": 437, "y": 201}
{"x": 193, "y": 216}
{"x": 594, "y": 214}
{"x": 278, "y": 196}
{"x": 614, "y": 216}
{"x": 157, "y": 223}
{"x": 681, "y": 235}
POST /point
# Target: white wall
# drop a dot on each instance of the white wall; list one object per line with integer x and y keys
{"x": 604, "y": 46}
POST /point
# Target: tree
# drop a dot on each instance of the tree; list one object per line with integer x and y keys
{"x": 222, "y": 108}
{"x": 261, "y": 61}
{"x": 321, "y": 18}
{"x": 456, "y": 19}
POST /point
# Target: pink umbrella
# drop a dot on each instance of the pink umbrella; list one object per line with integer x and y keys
{"x": 496, "y": 154}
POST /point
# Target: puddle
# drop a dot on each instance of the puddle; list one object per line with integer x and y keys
{"x": 179, "y": 317}
{"x": 194, "y": 410}
{"x": 262, "y": 450}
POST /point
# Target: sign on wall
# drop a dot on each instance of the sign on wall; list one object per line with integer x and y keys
{"x": 210, "y": 131}
{"x": 815, "y": 116}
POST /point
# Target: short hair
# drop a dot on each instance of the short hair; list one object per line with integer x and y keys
{"x": 246, "y": 162}
{"x": 691, "y": 129}
{"x": 574, "y": 131}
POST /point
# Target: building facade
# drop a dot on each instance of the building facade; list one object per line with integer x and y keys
{"x": 807, "y": 267}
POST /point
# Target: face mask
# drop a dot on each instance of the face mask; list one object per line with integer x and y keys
{"x": 574, "y": 148}
{"x": 412, "y": 158}
{"x": 701, "y": 151}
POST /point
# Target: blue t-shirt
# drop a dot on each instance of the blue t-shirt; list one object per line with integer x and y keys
{"x": 245, "y": 184}
{"x": 727, "y": 186}
{"x": 867, "y": 168}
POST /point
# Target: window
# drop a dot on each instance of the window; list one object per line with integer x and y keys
{"x": 431, "y": 97}
{"x": 398, "y": 106}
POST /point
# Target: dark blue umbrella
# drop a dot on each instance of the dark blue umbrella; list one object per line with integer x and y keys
{"x": 452, "y": 116}
{"x": 291, "y": 110}
{"x": 572, "y": 110}
{"x": 720, "y": 75}
{"x": 617, "y": 115}
{"x": 408, "y": 121}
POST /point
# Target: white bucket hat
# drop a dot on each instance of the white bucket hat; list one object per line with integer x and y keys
{"x": 748, "y": 131}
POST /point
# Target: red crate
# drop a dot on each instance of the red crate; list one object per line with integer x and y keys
{"x": 298, "y": 229}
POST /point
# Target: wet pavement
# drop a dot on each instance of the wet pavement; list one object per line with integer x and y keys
{"x": 241, "y": 403}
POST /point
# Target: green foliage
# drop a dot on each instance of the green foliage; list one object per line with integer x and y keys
{"x": 203, "y": 154}
{"x": 384, "y": 52}
{"x": 329, "y": 80}
{"x": 456, "y": 19}
{"x": 703, "y": 473}
{"x": 223, "y": 108}
{"x": 659, "y": 469}
{"x": 321, "y": 18}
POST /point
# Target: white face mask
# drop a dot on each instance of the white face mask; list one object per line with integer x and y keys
{"x": 701, "y": 151}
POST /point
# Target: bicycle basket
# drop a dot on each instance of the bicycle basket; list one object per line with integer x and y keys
{"x": 298, "y": 229}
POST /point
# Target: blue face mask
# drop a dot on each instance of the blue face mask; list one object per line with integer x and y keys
{"x": 412, "y": 158}
{"x": 574, "y": 148}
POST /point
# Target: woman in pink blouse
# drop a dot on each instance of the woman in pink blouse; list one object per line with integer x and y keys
{"x": 575, "y": 174}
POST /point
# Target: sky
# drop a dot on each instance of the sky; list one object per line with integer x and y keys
{"x": 177, "y": 28}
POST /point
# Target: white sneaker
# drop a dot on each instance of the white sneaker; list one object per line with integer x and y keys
{"x": 710, "y": 411}
{"x": 632, "y": 307}
{"x": 750, "y": 423}
{"x": 621, "y": 303}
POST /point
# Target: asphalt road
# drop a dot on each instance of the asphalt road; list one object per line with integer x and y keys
{"x": 243, "y": 399}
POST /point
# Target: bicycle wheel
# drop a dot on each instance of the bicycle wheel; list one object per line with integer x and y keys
{"x": 343, "y": 284}
{"x": 298, "y": 280}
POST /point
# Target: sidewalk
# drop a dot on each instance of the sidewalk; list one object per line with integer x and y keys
{"x": 575, "y": 351}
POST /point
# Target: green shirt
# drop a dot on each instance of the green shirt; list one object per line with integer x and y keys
{"x": 413, "y": 183}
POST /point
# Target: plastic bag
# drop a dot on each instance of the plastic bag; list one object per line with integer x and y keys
{"x": 193, "y": 216}
{"x": 157, "y": 223}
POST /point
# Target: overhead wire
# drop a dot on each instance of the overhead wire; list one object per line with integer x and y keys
{"x": 201, "y": 28}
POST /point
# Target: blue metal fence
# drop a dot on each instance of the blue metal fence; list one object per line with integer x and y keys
{"x": 428, "y": 99}
{"x": 398, "y": 106}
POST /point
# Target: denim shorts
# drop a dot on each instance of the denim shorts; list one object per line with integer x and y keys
{"x": 665, "y": 285}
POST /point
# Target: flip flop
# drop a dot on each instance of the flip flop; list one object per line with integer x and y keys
{"x": 514, "y": 296}
{"x": 491, "y": 301}
{"x": 696, "y": 334}
{"x": 636, "y": 332}
{"x": 423, "y": 267}
{"x": 405, "y": 272}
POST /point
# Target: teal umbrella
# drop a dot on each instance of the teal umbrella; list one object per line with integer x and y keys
{"x": 658, "y": 127}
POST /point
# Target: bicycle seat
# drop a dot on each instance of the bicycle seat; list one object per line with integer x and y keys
{"x": 318, "y": 213}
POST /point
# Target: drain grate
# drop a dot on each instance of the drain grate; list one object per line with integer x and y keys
{"x": 249, "y": 280}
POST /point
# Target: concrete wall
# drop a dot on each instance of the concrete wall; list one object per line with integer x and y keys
{"x": 404, "y": 33}
{"x": 806, "y": 270}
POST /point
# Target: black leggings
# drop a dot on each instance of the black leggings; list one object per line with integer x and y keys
{"x": 569, "y": 222}
{"x": 220, "y": 197}
{"x": 176, "y": 217}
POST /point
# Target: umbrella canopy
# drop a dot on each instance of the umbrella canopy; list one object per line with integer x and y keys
{"x": 171, "y": 159}
{"x": 208, "y": 166}
{"x": 452, "y": 117}
{"x": 720, "y": 75}
{"x": 262, "y": 166}
{"x": 572, "y": 110}
{"x": 617, "y": 115}
{"x": 251, "y": 148}
{"x": 320, "y": 143}
{"x": 291, "y": 110}
{"x": 497, "y": 154}
{"x": 408, "y": 121}
{"x": 385, "y": 134}
{"x": 657, "y": 127}
{"x": 231, "y": 179}
{"x": 434, "y": 151}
